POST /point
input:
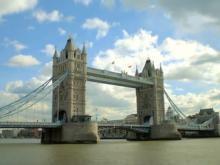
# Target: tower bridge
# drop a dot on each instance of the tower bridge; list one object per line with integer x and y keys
{"x": 70, "y": 124}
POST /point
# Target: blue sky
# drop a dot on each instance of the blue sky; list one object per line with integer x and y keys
{"x": 183, "y": 36}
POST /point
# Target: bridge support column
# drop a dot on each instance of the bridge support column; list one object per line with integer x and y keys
{"x": 70, "y": 133}
{"x": 165, "y": 131}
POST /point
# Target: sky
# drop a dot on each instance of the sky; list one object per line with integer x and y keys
{"x": 182, "y": 36}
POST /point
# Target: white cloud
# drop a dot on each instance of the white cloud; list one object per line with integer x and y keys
{"x": 31, "y": 28}
{"x": 49, "y": 49}
{"x": 22, "y": 61}
{"x": 53, "y": 16}
{"x": 101, "y": 26}
{"x": 137, "y": 4}
{"x": 186, "y": 60}
{"x": 193, "y": 16}
{"x": 108, "y": 3}
{"x": 89, "y": 44}
{"x": 18, "y": 46}
{"x": 130, "y": 50}
{"x": 69, "y": 18}
{"x": 16, "y": 6}
{"x": 190, "y": 103}
{"x": 6, "y": 98}
{"x": 62, "y": 31}
{"x": 83, "y": 2}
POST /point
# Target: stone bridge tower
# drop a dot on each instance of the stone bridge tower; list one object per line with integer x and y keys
{"x": 68, "y": 104}
{"x": 69, "y": 97}
{"x": 150, "y": 99}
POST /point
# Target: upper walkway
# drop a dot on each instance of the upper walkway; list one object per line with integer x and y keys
{"x": 120, "y": 79}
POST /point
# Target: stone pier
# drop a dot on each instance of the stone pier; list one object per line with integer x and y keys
{"x": 71, "y": 133}
{"x": 165, "y": 131}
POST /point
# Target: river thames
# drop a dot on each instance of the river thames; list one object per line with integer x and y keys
{"x": 111, "y": 152}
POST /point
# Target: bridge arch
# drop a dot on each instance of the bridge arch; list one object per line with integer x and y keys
{"x": 62, "y": 116}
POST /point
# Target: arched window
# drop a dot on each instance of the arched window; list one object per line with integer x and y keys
{"x": 149, "y": 73}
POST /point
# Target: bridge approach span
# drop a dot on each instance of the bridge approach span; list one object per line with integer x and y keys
{"x": 29, "y": 125}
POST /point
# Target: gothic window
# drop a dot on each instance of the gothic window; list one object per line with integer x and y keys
{"x": 78, "y": 65}
{"x": 66, "y": 55}
{"x": 149, "y": 73}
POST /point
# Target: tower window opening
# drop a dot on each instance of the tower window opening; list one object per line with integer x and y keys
{"x": 66, "y": 55}
{"x": 149, "y": 73}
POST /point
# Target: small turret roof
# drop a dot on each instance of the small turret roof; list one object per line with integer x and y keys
{"x": 55, "y": 55}
{"x": 69, "y": 44}
{"x": 136, "y": 72}
{"x": 84, "y": 49}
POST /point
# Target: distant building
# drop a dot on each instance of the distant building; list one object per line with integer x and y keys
{"x": 169, "y": 114}
{"x": 8, "y": 133}
{"x": 206, "y": 114}
{"x": 30, "y": 133}
{"x": 116, "y": 133}
{"x": 131, "y": 119}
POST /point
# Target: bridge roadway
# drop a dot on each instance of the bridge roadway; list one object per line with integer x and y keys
{"x": 137, "y": 128}
{"x": 179, "y": 127}
{"x": 120, "y": 79}
{"x": 30, "y": 125}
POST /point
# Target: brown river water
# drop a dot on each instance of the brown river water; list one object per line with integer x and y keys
{"x": 111, "y": 152}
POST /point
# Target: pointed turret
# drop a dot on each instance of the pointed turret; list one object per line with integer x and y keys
{"x": 55, "y": 55}
{"x": 136, "y": 72}
{"x": 153, "y": 67}
{"x": 161, "y": 69}
{"x": 69, "y": 44}
{"x": 84, "y": 49}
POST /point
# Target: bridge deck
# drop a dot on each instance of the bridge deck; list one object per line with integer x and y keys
{"x": 120, "y": 79}
{"x": 123, "y": 126}
{"x": 29, "y": 125}
{"x": 179, "y": 127}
